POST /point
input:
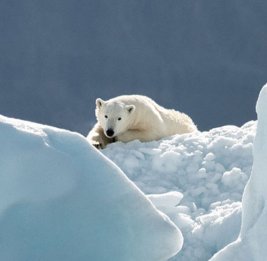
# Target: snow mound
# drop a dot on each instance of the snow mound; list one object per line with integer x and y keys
{"x": 196, "y": 179}
{"x": 251, "y": 244}
{"x": 63, "y": 200}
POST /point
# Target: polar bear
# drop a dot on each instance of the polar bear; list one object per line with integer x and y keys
{"x": 129, "y": 117}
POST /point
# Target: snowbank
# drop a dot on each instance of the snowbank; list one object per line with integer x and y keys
{"x": 62, "y": 200}
{"x": 197, "y": 179}
{"x": 251, "y": 244}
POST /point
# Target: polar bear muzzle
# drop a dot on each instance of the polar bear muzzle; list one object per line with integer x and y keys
{"x": 110, "y": 132}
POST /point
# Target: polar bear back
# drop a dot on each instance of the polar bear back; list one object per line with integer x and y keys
{"x": 152, "y": 117}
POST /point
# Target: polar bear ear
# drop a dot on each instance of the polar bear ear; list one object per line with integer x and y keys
{"x": 130, "y": 108}
{"x": 99, "y": 102}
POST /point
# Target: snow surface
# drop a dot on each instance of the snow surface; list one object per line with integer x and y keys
{"x": 197, "y": 180}
{"x": 251, "y": 244}
{"x": 62, "y": 200}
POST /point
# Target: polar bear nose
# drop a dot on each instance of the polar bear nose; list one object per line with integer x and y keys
{"x": 110, "y": 132}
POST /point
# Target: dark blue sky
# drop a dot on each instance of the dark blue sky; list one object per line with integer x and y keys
{"x": 204, "y": 57}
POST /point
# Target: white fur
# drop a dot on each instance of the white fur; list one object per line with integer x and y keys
{"x": 136, "y": 117}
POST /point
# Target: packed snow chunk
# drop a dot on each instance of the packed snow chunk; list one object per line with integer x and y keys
{"x": 209, "y": 157}
{"x": 224, "y": 219}
{"x": 251, "y": 244}
{"x": 171, "y": 198}
{"x": 167, "y": 161}
{"x": 62, "y": 200}
{"x": 233, "y": 177}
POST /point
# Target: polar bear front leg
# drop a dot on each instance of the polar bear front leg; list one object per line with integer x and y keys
{"x": 97, "y": 138}
{"x": 136, "y": 135}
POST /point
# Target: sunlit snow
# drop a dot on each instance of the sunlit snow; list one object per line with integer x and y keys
{"x": 61, "y": 199}
{"x": 201, "y": 177}
{"x": 251, "y": 243}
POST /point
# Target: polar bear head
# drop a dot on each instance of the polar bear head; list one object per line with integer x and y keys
{"x": 114, "y": 117}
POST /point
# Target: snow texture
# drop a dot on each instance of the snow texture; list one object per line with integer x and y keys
{"x": 197, "y": 180}
{"x": 251, "y": 243}
{"x": 62, "y": 200}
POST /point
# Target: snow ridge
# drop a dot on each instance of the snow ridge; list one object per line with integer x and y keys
{"x": 251, "y": 244}
{"x": 63, "y": 200}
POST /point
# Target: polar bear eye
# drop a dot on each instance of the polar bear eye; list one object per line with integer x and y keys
{"x": 119, "y": 118}
{"x": 106, "y": 116}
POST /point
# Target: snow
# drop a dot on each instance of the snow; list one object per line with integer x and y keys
{"x": 197, "y": 180}
{"x": 63, "y": 200}
{"x": 251, "y": 243}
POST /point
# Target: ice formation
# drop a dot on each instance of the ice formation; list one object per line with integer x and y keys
{"x": 62, "y": 200}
